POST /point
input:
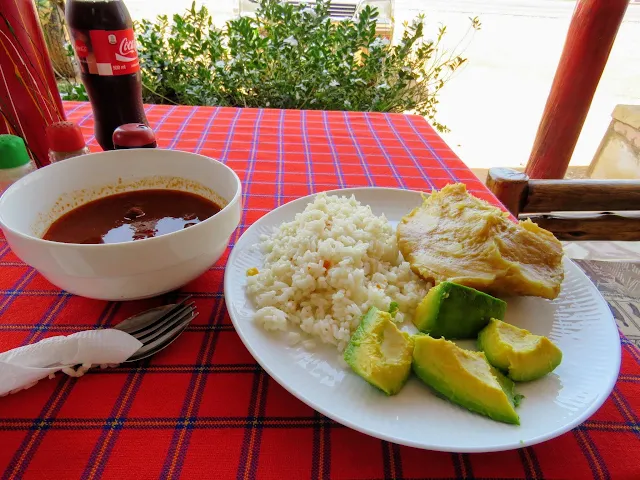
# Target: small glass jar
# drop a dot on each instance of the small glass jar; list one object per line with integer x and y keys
{"x": 15, "y": 162}
{"x": 65, "y": 141}
{"x": 57, "y": 156}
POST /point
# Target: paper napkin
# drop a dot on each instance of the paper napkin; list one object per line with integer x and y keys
{"x": 22, "y": 367}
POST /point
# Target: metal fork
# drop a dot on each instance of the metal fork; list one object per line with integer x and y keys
{"x": 159, "y": 327}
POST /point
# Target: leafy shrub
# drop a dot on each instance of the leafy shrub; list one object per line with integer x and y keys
{"x": 294, "y": 56}
{"x": 72, "y": 90}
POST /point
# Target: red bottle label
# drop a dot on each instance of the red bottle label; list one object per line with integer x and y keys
{"x": 106, "y": 52}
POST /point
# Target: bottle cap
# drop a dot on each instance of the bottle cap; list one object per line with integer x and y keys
{"x": 13, "y": 152}
{"x": 65, "y": 137}
{"x": 134, "y": 135}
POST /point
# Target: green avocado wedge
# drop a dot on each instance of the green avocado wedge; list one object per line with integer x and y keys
{"x": 465, "y": 378}
{"x": 454, "y": 311}
{"x": 379, "y": 352}
{"x": 519, "y": 353}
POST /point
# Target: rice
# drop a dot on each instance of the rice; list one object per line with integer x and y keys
{"x": 323, "y": 271}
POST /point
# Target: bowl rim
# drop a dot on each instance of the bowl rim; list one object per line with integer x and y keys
{"x": 127, "y": 244}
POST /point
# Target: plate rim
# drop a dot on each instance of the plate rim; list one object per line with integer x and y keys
{"x": 578, "y": 420}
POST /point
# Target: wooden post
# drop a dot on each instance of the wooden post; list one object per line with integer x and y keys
{"x": 509, "y": 186}
{"x": 591, "y": 35}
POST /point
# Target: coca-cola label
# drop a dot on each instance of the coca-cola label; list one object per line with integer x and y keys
{"x": 106, "y": 52}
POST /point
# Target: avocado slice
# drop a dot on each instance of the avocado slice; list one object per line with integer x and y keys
{"x": 454, "y": 311}
{"x": 518, "y": 352}
{"x": 379, "y": 352}
{"x": 465, "y": 378}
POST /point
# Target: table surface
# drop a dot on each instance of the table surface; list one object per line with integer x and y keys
{"x": 203, "y": 407}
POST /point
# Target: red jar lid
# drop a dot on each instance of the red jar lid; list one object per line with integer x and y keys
{"x": 133, "y": 135}
{"x": 65, "y": 137}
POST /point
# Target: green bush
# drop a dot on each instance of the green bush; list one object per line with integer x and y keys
{"x": 291, "y": 56}
{"x": 72, "y": 90}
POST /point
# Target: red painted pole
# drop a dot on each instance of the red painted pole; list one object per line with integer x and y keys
{"x": 29, "y": 97}
{"x": 591, "y": 35}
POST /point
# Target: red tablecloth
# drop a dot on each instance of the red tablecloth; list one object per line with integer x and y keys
{"x": 203, "y": 408}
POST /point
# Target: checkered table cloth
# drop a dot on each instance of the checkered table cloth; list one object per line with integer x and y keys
{"x": 203, "y": 408}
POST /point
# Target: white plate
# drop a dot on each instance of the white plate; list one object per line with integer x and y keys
{"x": 578, "y": 321}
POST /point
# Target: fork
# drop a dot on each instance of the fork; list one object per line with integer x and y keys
{"x": 158, "y": 327}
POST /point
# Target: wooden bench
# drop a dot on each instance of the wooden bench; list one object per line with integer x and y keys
{"x": 571, "y": 209}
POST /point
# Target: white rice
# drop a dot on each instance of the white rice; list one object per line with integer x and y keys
{"x": 325, "y": 269}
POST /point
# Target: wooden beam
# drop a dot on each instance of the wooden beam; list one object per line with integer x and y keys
{"x": 605, "y": 226}
{"x": 591, "y": 35}
{"x": 582, "y": 195}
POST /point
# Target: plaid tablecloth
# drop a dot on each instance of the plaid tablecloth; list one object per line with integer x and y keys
{"x": 203, "y": 408}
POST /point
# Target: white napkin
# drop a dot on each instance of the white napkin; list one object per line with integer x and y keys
{"x": 22, "y": 367}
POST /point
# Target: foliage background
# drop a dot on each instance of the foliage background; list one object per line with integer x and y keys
{"x": 292, "y": 56}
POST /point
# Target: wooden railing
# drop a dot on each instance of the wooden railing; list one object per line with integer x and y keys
{"x": 572, "y": 209}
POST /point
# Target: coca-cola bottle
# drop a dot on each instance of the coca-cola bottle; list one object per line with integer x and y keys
{"x": 105, "y": 47}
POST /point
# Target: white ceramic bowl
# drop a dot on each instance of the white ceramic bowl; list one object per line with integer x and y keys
{"x": 129, "y": 270}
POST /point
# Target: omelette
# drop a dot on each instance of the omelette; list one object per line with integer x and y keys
{"x": 457, "y": 237}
